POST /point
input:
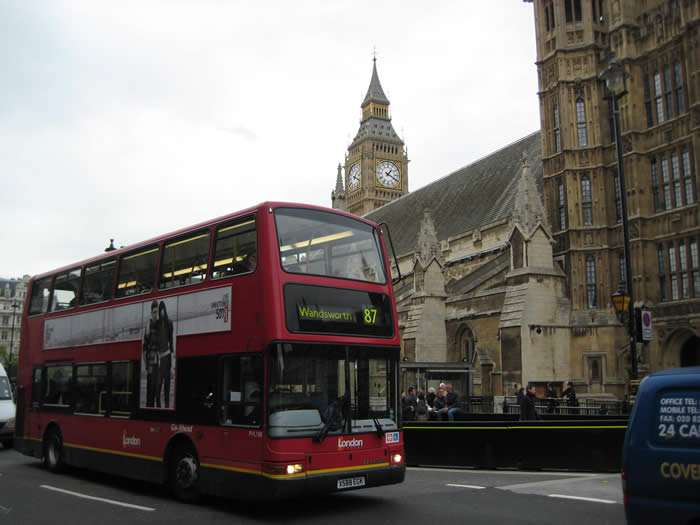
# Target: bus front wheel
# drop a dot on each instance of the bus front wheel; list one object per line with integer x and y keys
{"x": 184, "y": 475}
{"x": 53, "y": 449}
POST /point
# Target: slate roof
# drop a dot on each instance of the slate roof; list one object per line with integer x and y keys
{"x": 375, "y": 93}
{"x": 476, "y": 195}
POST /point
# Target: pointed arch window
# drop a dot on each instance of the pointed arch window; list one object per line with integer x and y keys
{"x": 557, "y": 132}
{"x": 586, "y": 201}
{"x": 581, "y": 127}
{"x": 591, "y": 282}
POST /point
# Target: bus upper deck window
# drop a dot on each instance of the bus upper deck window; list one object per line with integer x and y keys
{"x": 39, "y": 302}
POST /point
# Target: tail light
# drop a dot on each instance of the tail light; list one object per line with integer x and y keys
{"x": 624, "y": 487}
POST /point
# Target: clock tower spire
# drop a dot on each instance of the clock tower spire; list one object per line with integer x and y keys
{"x": 376, "y": 165}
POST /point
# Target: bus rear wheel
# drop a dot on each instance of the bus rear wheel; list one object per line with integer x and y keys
{"x": 53, "y": 450}
{"x": 184, "y": 475}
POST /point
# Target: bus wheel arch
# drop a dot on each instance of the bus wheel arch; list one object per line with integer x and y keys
{"x": 182, "y": 468}
{"x": 53, "y": 448}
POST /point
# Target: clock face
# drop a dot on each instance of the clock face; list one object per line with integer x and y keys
{"x": 354, "y": 177}
{"x": 388, "y": 174}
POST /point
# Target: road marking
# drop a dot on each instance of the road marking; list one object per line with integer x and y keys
{"x": 508, "y": 472}
{"x": 4, "y": 510}
{"x": 581, "y": 498}
{"x": 477, "y": 487}
{"x": 94, "y": 498}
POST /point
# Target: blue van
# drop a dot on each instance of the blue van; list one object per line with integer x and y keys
{"x": 661, "y": 455}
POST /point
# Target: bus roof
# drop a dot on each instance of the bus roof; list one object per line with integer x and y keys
{"x": 204, "y": 224}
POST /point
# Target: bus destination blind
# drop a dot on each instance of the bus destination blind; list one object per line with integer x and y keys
{"x": 320, "y": 309}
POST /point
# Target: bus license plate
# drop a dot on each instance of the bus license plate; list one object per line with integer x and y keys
{"x": 348, "y": 483}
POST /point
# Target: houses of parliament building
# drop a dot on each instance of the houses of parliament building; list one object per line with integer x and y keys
{"x": 510, "y": 263}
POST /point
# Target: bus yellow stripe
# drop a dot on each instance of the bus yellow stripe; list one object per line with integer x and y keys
{"x": 116, "y": 452}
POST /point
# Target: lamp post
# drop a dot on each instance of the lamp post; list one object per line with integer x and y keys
{"x": 14, "y": 306}
{"x": 614, "y": 77}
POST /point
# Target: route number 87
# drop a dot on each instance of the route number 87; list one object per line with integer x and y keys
{"x": 370, "y": 315}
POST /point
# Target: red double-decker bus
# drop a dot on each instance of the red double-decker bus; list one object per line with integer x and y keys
{"x": 253, "y": 356}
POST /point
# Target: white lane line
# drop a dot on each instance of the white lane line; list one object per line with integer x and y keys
{"x": 94, "y": 498}
{"x": 477, "y": 487}
{"x": 581, "y": 498}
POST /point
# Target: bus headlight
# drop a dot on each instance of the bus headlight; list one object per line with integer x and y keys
{"x": 396, "y": 458}
{"x": 296, "y": 468}
{"x": 282, "y": 469}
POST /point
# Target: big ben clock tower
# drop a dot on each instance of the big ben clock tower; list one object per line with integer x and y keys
{"x": 376, "y": 165}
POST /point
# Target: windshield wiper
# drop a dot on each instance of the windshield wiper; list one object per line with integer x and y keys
{"x": 335, "y": 418}
{"x": 380, "y": 429}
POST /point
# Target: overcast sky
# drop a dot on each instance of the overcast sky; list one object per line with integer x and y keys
{"x": 132, "y": 119}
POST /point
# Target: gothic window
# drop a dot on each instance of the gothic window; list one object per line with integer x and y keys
{"x": 658, "y": 98}
{"x": 688, "y": 177}
{"x": 678, "y": 78}
{"x": 647, "y": 101}
{"x": 695, "y": 274}
{"x": 683, "y": 267}
{"x": 676, "y": 187}
{"x": 662, "y": 272}
{"x": 562, "y": 205}
{"x": 673, "y": 269}
{"x": 597, "y": 8}
{"x": 655, "y": 186}
{"x": 668, "y": 93}
{"x": 675, "y": 170}
{"x": 573, "y": 10}
{"x": 581, "y": 127}
{"x": 666, "y": 182}
{"x": 591, "y": 282}
{"x": 557, "y": 133}
{"x": 586, "y": 204}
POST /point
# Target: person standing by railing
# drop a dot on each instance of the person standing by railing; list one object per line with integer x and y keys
{"x": 551, "y": 395}
{"x": 528, "y": 412}
{"x": 570, "y": 395}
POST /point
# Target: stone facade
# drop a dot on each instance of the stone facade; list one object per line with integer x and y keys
{"x": 509, "y": 263}
{"x": 657, "y": 42}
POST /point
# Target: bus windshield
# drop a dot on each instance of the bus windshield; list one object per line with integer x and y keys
{"x": 322, "y": 243}
{"x": 331, "y": 386}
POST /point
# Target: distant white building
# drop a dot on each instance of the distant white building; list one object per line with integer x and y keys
{"x": 13, "y": 293}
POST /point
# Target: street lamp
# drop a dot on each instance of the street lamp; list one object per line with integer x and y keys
{"x": 614, "y": 77}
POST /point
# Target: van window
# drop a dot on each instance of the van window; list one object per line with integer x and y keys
{"x": 677, "y": 418}
{"x": 5, "y": 391}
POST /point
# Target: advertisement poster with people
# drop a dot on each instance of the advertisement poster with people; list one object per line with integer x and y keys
{"x": 158, "y": 356}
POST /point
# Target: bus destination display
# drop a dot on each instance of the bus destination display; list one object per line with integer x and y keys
{"x": 319, "y": 309}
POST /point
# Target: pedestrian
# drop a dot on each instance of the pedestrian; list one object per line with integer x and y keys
{"x": 438, "y": 405}
{"x": 551, "y": 395}
{"x": 430, "y": 397}
{"x": 409, "y": 403}
{"x": 570, "y": 395}
{"x": 528, "y": 410}
{"x": 422, "y": 413}
{"x": 451, "y": 408}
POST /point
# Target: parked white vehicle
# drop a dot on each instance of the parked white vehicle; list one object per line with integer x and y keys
{"x": 7, "y": 410}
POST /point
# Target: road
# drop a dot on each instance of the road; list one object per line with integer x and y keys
{"x": 31, "y": 495}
